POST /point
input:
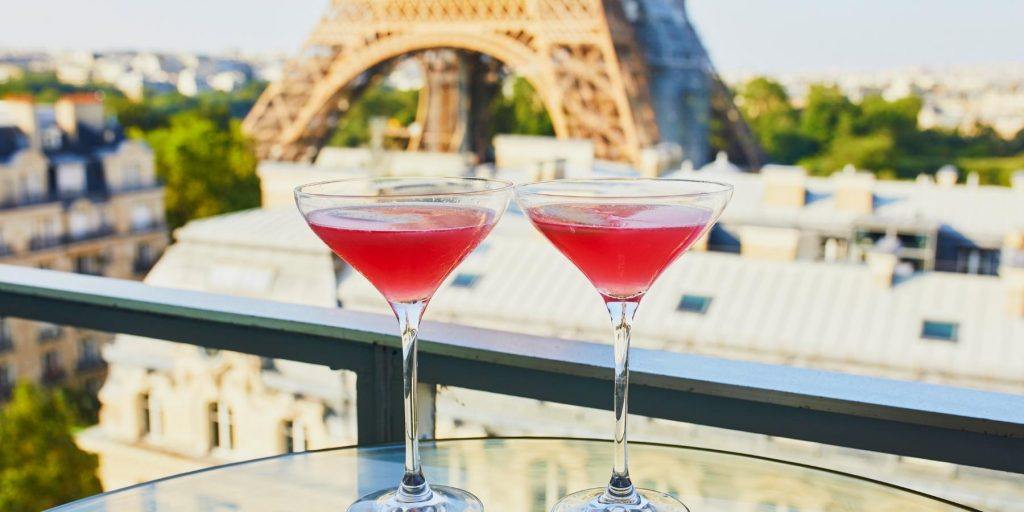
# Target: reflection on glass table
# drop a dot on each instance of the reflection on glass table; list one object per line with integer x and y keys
{"x": 515, "y": 475}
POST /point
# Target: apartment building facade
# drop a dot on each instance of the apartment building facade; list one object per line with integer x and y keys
{"x": 76, "y": 196}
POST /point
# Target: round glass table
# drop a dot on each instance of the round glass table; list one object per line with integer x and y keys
{"x": 515, "y": 475}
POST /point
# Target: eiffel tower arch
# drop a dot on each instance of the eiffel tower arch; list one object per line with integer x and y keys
{"x": 579, "y": 55}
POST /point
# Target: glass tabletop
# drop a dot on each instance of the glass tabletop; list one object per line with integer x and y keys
{"x": 514, "y": 474}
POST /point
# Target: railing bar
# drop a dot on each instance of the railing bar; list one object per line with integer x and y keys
{"x": 899, "y": 417}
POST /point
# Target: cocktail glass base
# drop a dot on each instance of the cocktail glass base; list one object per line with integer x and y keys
{"x": 590, "y": 501}
{"x": 442, "y": 499}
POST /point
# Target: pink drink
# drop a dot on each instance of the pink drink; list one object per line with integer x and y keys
{"x": 405, "y": 251}
{"x": 621, "y": 248}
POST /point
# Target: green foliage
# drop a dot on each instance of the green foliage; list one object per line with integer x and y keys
{"x": 45, "y": 87}
{"x": 40, "y": 465}
{"x": 379, "y": 100}
{"x": 155, "y": 111}
{"x": 518, "y": 109}
{"x": 206, "y": 162}
{"x": 774, "y": 120}
{"x": 831, "y": 131}
{"x": 993, "y": 170}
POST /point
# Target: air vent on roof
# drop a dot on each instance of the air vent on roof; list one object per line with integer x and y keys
{"x": 936, "y": 330}
{"x": 465, "y": 280}
{"x": 694, "y": 304}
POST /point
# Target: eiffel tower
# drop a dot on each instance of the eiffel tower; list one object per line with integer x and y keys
{"x": 625, "y": 74}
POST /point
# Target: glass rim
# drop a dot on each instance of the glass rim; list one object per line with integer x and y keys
{"x": 725, "y": 188}
{"x": 504, "y": 185}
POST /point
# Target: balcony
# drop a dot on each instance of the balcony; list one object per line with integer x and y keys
{"x": 47, "y": 333}
{"x": 38, "y": 243}
{"x": 149, "y": 227}
{"x": 92, "y": 234}
{"x": 28, "y": 200}
{"x": 89, "y": 364}
{"x": 53, "y": 375}
{"x": 135, "y": 187}
{"x": 910, "y": 419}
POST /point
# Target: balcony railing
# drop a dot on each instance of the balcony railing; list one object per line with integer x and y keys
{"x": 54, "y": 375}
{"x": 49, "y": 333}
{"x": 950, "y": 424}
{"x": 87, "y": 364}
{"x": 92, "y": 234}
{"x": 28, "y": 200}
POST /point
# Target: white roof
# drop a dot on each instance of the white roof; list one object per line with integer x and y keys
{"x": 269, "y": 254}
{"x": 983, "y": 211}
{"x": 830, "y": 316}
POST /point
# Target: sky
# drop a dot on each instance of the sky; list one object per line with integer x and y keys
{"x": 742, "y": 35}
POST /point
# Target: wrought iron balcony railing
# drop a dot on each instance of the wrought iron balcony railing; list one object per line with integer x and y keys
{"x": 950, "y": 424}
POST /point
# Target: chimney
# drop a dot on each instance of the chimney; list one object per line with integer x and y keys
{"x": 780, "y": 244}
{"x": 784, "y": 186}
{"x": 946, "y": 176}
{"x": 1017, "y": 180}
{"x": 973, "y": 180}
{"x": 883, "y": 260}
{"x": 85, "y": 109}
{"x": 22, "y": 110}
{"x": 1012, "y": 273}
{"x": 854, "y": 191}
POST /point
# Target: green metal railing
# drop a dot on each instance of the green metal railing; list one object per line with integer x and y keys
{"x": 942, "y": 423}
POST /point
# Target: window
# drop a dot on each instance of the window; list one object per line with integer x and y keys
{"x": 71, "y": 178}
{"x": 79, "y": 224}
{"x": 89, "y": 350}
{"x": 935, "y": 330}
{"x": 142, "y": 217}
{"x": 152, "y": 416}
{"x": 973, "y": 260}
{"x": 295, "y": 439}
{"x": 48, "y": 331}
{"x": 5, "y": 335}
{"x": 51, "y": 362}
{"x": 213, "y": 414}
{"x": 6, "y": 375}
{"x": 694, "y": 304}
{"x": 222, "y": 426}
{"x": 465, "y": 280}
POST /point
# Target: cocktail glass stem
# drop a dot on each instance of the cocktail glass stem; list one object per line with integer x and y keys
{"x": 413, "y": 487}
{"x": 620, "y": 488}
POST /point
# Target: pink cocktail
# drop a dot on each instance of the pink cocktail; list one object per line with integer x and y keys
{"x": 621, "y": 248}
{"x": 406, "y": 251}
{"x": 622, "y": 234}
{"x": 406, "y": 235}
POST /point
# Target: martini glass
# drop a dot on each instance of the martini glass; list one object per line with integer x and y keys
{"x": 405, "y": 235}
{"x": 622, "y": 233}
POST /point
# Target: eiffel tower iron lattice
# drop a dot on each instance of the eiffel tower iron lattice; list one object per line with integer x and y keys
{"x": 583, "y": 57}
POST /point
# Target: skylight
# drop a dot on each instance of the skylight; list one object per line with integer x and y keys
{"x": 694, "y": 304}
{"x": 937, "y": 330}
{"x": 465, "y": 280}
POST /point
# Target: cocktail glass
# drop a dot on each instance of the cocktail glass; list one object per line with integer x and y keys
{"x": 622, "y": 234}
{"x": 406, "y": 235}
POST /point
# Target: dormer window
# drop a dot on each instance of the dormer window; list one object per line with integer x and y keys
{"x": 938, "y": 330}
{"x": 52, "y": 138}
{"x": 694, "y": 304}
{"x": 463, "y": 280}
{"x": 71, "y": 178}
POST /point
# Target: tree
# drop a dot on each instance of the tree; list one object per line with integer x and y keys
{"x": 519, "y": 109}
{"x": 826, "y": 110}
{"x": 207, "y": 164}
{"x": 875, "y": 152}
{"x": 40, "y": 465}
{"x": 773, "y": 119}
{"x": 379, "y": 100}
